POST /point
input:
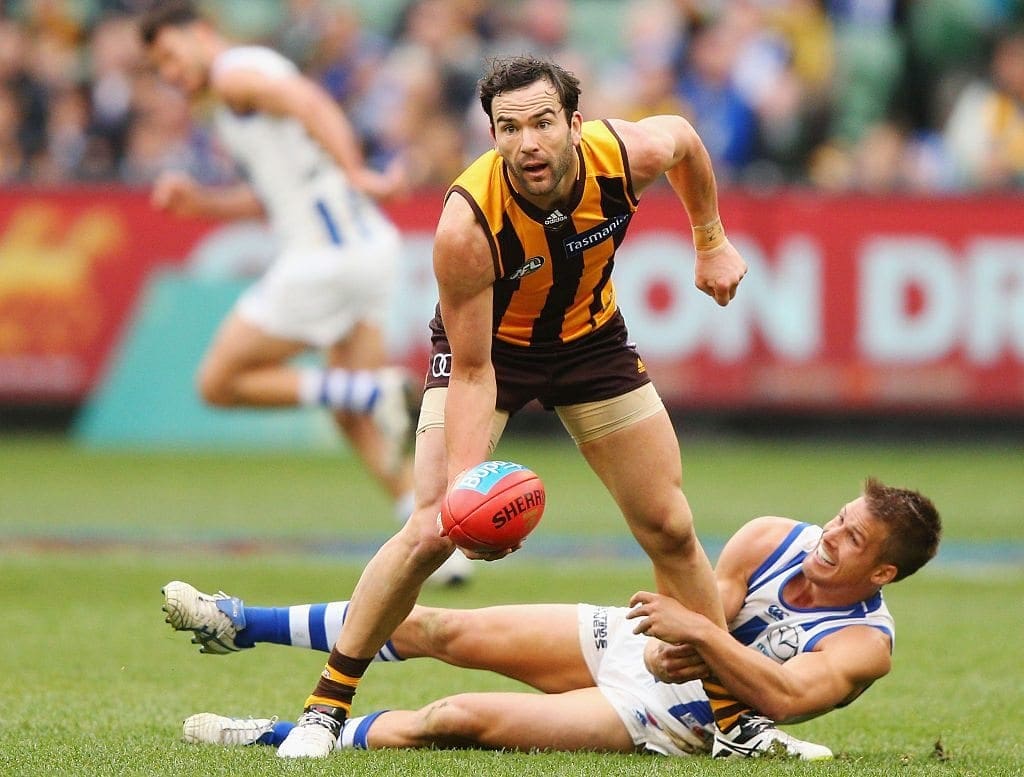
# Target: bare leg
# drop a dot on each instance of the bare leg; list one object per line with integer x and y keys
{"x": 640, "y": 466}
{"x": 537, "y": 644}
{"x": 391, "y": 581}
{"x": 246, "y": 366}
{"x": 575, "y": 720}
{"x": 395, "y": 476}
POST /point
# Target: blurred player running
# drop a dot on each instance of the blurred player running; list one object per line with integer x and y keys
{"x": 331, "y": 284}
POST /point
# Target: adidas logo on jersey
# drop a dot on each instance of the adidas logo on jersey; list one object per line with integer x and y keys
{"x": 555, "y": 220}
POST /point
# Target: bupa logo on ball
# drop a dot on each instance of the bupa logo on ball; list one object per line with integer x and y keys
{"x": 485, "y": 476}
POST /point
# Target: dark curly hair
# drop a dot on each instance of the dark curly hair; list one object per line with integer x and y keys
{"x": 506, "y": 74}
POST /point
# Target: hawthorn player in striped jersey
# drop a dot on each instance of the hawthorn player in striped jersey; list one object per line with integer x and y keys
{"x": 523, "y": 256}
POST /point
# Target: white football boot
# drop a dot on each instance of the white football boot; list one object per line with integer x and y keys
{"x": 314, "y": 736}
{"x": 755, "y": 736}
{"x": 455, "y": 571}
{"x": 214, "y": 619}
{"x": 206, "y": 728}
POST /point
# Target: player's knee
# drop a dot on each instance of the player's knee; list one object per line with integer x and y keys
{"x": 214, "y": 387}
{"x": 424, "y": 545}
{"x": 668, "y": 532}
{"x": 441, "y": 629}
{"x": 453, "y": 718}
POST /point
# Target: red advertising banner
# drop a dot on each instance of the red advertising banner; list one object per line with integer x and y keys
{"x": 850, "y": 303}
{"x": 71, "y": 265}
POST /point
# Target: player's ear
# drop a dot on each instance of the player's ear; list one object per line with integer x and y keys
{"x": 884, "y": 573}
{"x": 576, "y": 127}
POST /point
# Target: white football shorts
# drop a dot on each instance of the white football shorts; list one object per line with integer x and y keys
{"x": 666, "y": 718}
{"x": 317, "y": 295}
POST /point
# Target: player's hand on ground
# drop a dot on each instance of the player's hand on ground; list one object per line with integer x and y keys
{"x": 718, "y": 272}
{"x": 674, "y": 663}
{"x": 176, "y": 192}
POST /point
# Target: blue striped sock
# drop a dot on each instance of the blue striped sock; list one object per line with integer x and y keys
{"x": 354, "y": 733}
{"x": 264, "y": 624}
{"x": 312, "y": 626}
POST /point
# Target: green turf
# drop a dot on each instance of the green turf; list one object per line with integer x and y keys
{"x": 96, "y": 684}
{"x": 49, "y": 484}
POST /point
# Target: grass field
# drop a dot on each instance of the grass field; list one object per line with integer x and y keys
{"x": 94, "y": 683}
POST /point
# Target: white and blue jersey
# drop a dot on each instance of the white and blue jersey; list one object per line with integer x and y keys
{"x": 675, "y": 718}
{"x": 308, "y": 198}
{"x": 337, "y": 259}
{"x": 768, "y": 623}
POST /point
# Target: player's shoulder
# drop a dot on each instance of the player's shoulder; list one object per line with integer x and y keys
{"x": 757, "y": 539}
{"x": 630, "y": 134}
{"x": 655, "y": 130}
{"x": 769, "y": 528}
{"x": 248, "y": 62}
{"x": 481, "y": 178}
{"x": 458, "y": 216}
{"x": 478, "y": 195}
{"x": 651, "y": 145}
{"x": 461, "y": 234}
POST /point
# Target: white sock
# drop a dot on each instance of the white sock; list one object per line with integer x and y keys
{"x": 352, "y": 390}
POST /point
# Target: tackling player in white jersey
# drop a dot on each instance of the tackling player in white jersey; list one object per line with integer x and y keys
{"x": 331, "y": 284}
{"x": 809, "y": 631}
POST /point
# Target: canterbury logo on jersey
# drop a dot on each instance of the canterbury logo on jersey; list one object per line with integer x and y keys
{"x": 577, "y": 244}
{"x": 532, "y": 264}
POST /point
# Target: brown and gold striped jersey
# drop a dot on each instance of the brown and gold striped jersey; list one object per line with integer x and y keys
{"x": 553, "y": 268}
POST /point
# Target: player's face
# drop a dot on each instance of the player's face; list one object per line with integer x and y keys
{"x": 176, "y": 55}
{"x": 849, "y": 551}
{"x": 537, "y": 141}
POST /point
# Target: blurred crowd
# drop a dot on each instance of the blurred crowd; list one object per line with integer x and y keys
{"x": 842, "y": 95}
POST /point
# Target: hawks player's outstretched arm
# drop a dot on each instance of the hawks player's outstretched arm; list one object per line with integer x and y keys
{"x": 465, "y": 273}
{"x": 669, "y": 146}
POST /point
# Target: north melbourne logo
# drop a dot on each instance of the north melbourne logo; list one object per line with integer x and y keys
{"x": 531, "y": 265}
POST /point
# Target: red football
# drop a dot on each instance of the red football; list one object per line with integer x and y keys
{"x": 492, "y": 506}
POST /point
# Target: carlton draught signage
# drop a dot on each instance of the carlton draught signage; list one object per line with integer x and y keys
{"x": 850, "y": 303}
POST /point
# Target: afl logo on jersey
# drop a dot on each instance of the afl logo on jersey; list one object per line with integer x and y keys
{"x": 531, "y": 265}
